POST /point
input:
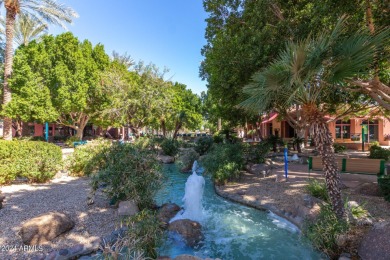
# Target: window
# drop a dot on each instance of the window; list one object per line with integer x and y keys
{"x": 343, "y": 129}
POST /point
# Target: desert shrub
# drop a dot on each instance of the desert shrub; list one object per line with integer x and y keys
{"x": 256, "y": 153}
{"x": 185, "y": 144}
{"x": 170, "y": 146}
{"x": 186, "y": 159}
{"x": 145, "y": 230}
{"x": 37, "y": 161}
{"x": 84, "y": 160}
{"x": 325, "y": 229}
{"x": 203, "y": 144}
{"x": 317, "y": 189}
{"x": 339, "y": 148}
{"x": 222, "y": 161}
{"x": 377, "y": 152}
{"x": 274, "y": 141}
{"x": 128, "y": 172}
{"x": 384, "y": 185}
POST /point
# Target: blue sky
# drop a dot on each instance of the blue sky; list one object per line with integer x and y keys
{"x": 168, "y": 33}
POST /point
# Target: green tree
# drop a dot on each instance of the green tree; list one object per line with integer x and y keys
{"x": 70, "y": 71}
{"x": 49, "y": 10}
{"x": 306, "y": 73}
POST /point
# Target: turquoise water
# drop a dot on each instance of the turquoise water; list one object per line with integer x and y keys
{"x": 233, "y": 231}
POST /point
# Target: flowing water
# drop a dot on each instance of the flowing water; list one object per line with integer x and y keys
{"x": 231, "y": 231}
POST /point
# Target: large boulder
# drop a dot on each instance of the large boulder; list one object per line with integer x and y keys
{"x": 166, "y": 159}
{"x": 45, "y": 228}
{"x": 127, "y": 208}
{"x": 191, "y": 231}
{"x": 376, "y": 244}
{"x": 166, "y": 212}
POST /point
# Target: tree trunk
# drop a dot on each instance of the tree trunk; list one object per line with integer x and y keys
{"x": 324, "y": 144}
{"x": 369, "y": 19}
{"x": 18, "y": 125}
{"x": 177, "y": 128}
{"x": 9, "y": 34}
{"x": 163, "y": 128}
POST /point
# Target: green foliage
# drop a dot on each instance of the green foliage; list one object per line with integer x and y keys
{"x": 223, "y": 162}
{"x": 317, "y": 189}
{"x": 37, "y": 161}
{"x": 170, "y": 146}
{"x": 384, "y": 185}
{"x": 203, "y": 144}
{"x": 145, "y": 230}
{"x": 69, "y": 141}
{"x": 324, "y": 231}
{"x": 186, "y": 159}
{"x": 217, "y": 138}
{"x": 377, "y": 152}
{"x": 339, "y": 148}
{"x": 359, "y": 212}
{"x": 274, "y": 141}
{"x": 128, "y": 173}
{"x": 31, "y": 138}
{"x": 257, "y": 153}
{"x": 86, "y": 158}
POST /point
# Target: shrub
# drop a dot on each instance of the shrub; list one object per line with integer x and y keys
{"x": 145, "y": 230}
{"x": 31, "y": 138}
{"x": 339, "y": 148}
{"x": 186, "y": 159}
{"x": 80, "y": 162}
{"x": 203, "y": 144}
{"x": 170, "y": 146}
{"x": 324, "y": 231}
{"x": 217, "y": 138}
{"x": 128, "y": 172}
{"x": 222, "y": 161}
{"x": 256, "y": 153}
{"x": 274, "y": 141}
{"x": 37, "y": 161}
{"x": 317, "y": 189}
{"x": 377, "y": 152}
{"x": 70, "y": 140}
{"x": 384, "y": 185}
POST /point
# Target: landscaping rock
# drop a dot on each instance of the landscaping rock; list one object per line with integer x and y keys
{"x": 166, "y": 159}
{"x": 376, "y": 243}
{"x": 45, "y": 228}
{"x": 191, "y": 231}
{"x": 187, "y": 257}
{"x": 73, "y": 252}
{"x": 364, "y": 219}
{"x": 127, "y": 208}
{"x": 166, "y": 212}
{"x": 259, "y": 168}
{"x": 163, "y": 258}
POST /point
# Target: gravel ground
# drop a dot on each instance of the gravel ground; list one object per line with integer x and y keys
{"x": 64, "y": 194}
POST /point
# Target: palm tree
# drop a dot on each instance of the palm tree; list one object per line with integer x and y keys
{"x": 27, "y": 29}
{"x": 307, "y": 73}
{"x": 48, "y": 10}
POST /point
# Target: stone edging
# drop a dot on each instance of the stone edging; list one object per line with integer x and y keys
{"x": 297, "y": 221}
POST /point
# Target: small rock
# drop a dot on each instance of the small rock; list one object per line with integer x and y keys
{"x": 127, "y": 208}
{"x": 166, "y": 159}
{"x": 45, "y": 228}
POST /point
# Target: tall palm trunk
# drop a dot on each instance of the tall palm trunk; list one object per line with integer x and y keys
{"x": 324, "y": 144}
{"x": 9, "y": 32}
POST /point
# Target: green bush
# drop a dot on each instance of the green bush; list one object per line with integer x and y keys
{"x": 317, "y": 189}
{"x": 217, "y": 138}
{"x": 203, "y": 144}
{"x": 37, "y": 161}
{"x": 128, "y": 172}
{"x": 186, "y": 159}
{"x": 31, "y": 138}
{"x": 274, "y": 141}
{"x": 222, "y": 162}
{"x": 80, "y": 163}
{"x": 339, "y": 148}
{"x": 324, "y": 230}
{"x": 377, "y": 152}
{"x": 384, "y": 185}
{"x": 170, "y": 146}
{"x": 256, "y": 153}
{"x": 70, "y": 140}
